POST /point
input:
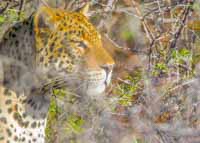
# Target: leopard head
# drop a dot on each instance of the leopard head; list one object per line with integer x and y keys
{"x": 69, "y": 43}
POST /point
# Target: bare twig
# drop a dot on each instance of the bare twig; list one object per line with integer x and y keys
{"x": 110, "y": 5}
{"x": 180, "y": 84}
{"x": 20, "y": 8}
{"x": 146, "y": 28}
{"x": 4, "y": 9}
{"x": 114, "y": 43}
{"x": 44, "y": 3}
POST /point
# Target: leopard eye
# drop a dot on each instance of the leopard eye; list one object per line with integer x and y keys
{"x": 82, "y": 44}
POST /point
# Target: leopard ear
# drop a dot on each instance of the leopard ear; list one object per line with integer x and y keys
{"x": 44, "y": 25}
{"x": 44, "y": 18}
{"x": 84, "y": 10}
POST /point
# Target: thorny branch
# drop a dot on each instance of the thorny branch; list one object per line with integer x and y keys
{"x": 180, "y": 28}
{"x": 145, "y": 26}
{"x": 177, "y": 34}
{"x": 147, "y": 30}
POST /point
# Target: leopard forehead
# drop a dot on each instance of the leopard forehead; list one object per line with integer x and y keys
{"x": 70, "y": 25}
{"x": 77, "y": 25}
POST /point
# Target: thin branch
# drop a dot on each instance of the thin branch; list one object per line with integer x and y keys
{"x": 44, "y": 3}
{"x": 146, "y": 28}
{"x": 114, "y": 43}
{"x": 4, "y": 9}
{"x": 178, "y": 32}
{"x": 179, "y": 84}
{"x": 20, "y": 8}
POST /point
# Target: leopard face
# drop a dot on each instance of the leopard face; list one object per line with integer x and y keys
{"x": 72, "y": 44}
{"x": 65, "y": 42}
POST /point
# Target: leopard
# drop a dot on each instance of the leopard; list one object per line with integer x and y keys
{"x": 52, "y": 48}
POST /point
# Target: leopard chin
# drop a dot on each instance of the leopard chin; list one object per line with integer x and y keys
{"x": 96, "y": 82}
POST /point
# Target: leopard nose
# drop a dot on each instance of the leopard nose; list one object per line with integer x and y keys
{"x": 108, "y": 69}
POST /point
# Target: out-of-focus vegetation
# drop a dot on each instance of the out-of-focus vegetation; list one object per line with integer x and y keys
{"x": 128, "y": 89}
{"x": 155, "y": 103}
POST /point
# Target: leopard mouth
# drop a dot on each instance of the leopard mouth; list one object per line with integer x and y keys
{"x": 96, "y": 83}
{"x": 87, "y": 83}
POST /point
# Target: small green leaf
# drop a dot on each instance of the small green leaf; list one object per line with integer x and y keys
{"x": 137, "y": 141}
{"x": 2, "y": 19}
{"x": 59, "y": 92}
{"x": 74, "y": 124}
{"x": 184, "y": 52}
{"x": 161, "y": 66}
{"x": 128, "y": 35}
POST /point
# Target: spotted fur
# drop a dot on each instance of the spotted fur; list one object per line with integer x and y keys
{"x": 51, "y": 43}
{"x": 17, "y": 125}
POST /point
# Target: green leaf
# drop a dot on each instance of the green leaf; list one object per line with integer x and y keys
{"x": 59, "y": 92}
{"x": 137, "y": 141}
{"x": 161, "y": 66}
{"x": 74, "y": 124}
{"x": 174, "y": 54}
{"x": 184, "y": 52}
{"x": 2, "y": 19}
{"x": 128, "y": 35}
